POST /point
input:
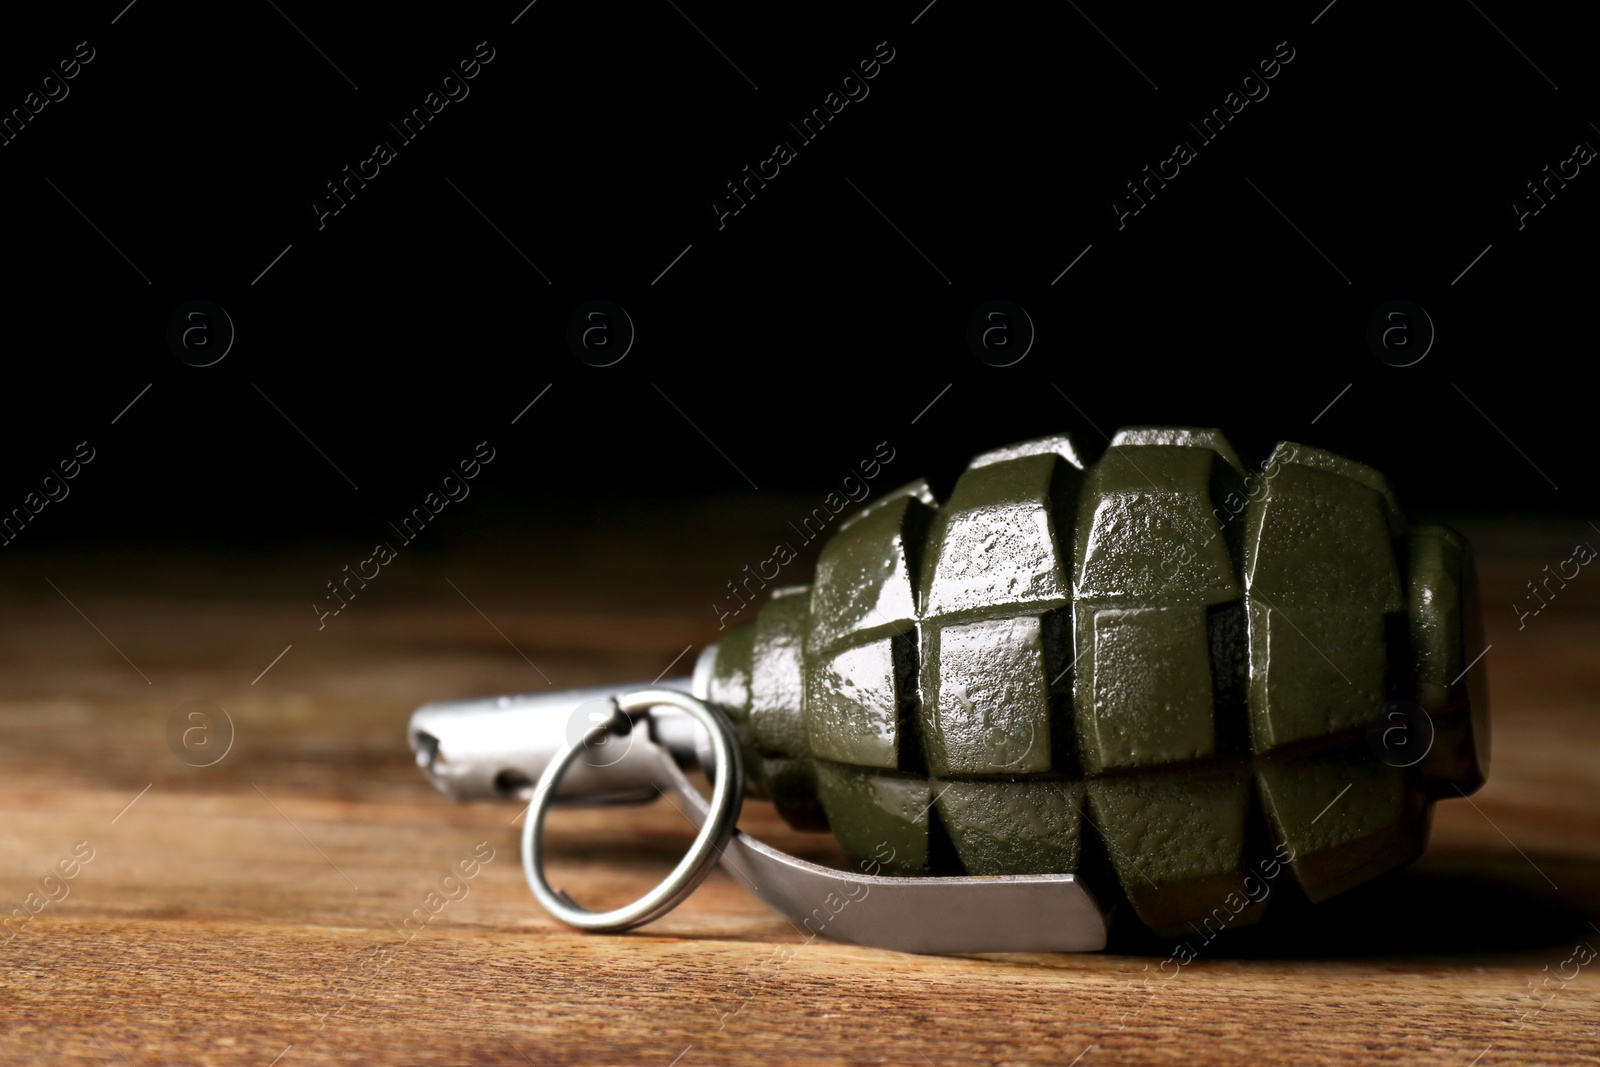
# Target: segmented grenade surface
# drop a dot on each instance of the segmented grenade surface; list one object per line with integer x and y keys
{"x": 1162, "y": 670}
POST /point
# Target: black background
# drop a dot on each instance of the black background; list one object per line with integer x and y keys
{"x": 807, "y": 330}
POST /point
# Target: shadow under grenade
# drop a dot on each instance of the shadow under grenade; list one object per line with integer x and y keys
{"x": 1158, "y": 674}
{"x": 1159, "y": 667}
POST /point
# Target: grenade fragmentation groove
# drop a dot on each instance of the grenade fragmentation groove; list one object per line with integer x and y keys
{"x": 1157, "y": 669}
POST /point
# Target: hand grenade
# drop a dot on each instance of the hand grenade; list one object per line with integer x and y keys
{"x": 1171, "y": 675}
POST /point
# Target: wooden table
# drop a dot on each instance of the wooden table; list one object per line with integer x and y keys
{"x": 250, "y": 912}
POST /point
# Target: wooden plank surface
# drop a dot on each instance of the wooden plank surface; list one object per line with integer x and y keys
{"x": 248, "y": 912}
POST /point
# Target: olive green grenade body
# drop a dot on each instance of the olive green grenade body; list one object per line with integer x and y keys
{"x": 1175, "y": 676}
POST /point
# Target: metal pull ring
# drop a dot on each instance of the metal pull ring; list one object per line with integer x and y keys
{"x": 727, "y": 798}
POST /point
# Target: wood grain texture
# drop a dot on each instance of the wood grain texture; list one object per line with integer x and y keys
{"x": 251, "y": 909}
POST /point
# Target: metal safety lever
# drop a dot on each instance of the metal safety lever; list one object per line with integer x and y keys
{"x": 635, "y": 740}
